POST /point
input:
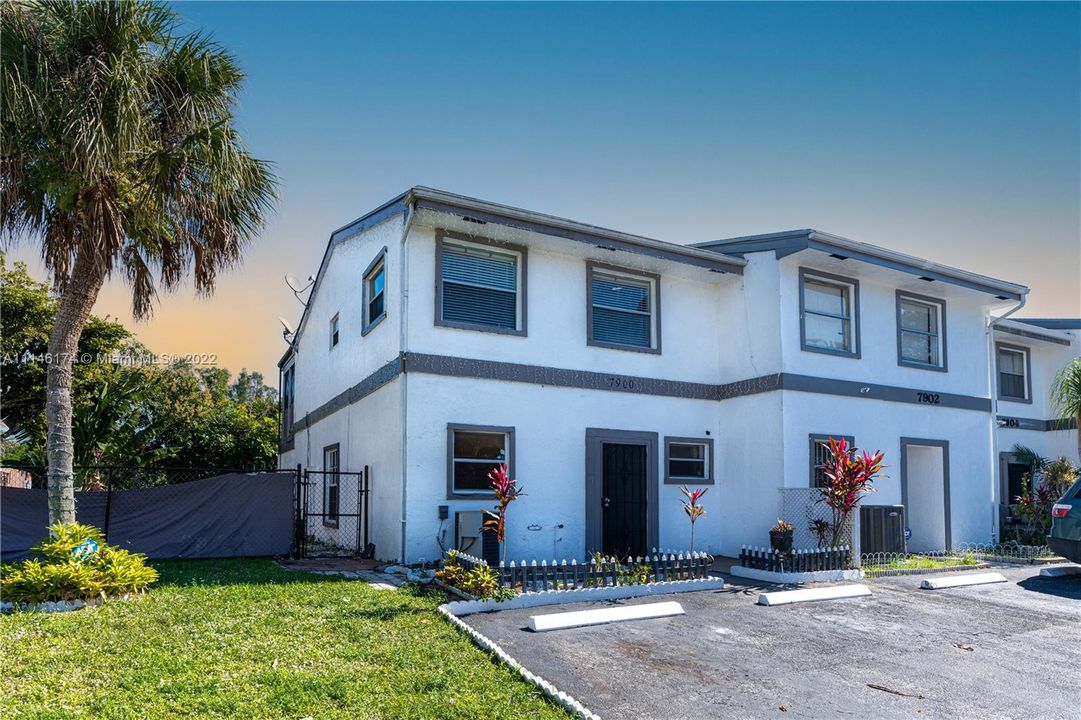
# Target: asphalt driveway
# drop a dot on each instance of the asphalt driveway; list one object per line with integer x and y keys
{"x": 995, "y": 651}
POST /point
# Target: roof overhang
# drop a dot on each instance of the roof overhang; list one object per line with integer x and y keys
{"x": 794, "y": 241}
{"x": 1021, "y": 328}
{"x": 489, "y": 212}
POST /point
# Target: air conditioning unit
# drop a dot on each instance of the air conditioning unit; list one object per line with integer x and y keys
{"x": 472, "y": 540}
{"x": 882, "y": 529}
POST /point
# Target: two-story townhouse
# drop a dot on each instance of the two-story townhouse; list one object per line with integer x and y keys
{"x": 1027, "y": 355}
{"x": 447, "y": 334}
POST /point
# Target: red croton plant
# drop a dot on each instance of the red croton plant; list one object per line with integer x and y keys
{"x": 692, "y": 508}
{"x": 506, "y": 491}
{"x": 849, "y": 476}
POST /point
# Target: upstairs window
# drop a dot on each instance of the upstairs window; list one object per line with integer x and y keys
{"x": 1014, "y": 383}
{"x": 333, "y": 332}
{"x": 921, "y": 332}
{"x": 829, "y": 313}
{"x": 375, "y": 292}
{"x": 623, "y": 309}
{"x": 474, "y": 451}
{"x": 481, "y": 286}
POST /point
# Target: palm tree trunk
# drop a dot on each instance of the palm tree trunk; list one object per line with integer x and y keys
{"x": 75, "y": 304}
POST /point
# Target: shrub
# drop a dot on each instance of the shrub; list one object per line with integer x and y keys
{"x": 480, "y": 582}
{"x": 75, "y": 564}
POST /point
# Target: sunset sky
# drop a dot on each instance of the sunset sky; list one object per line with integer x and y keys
{"x": 948, "y": 131}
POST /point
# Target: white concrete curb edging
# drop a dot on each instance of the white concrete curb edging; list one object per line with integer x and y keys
{"x": 796, "y": 578}
{"x": 834, "y": 592}
{"x": 602, "y": 616}
{"x": 558, "y": 597}
{"x": 1060, "y": 570}
{"x": 557, "y": 695}
{"x": 962, "y": 581}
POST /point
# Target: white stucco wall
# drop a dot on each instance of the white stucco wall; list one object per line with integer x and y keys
{"x": 878, "y": 425}
{"x": 550, "y": 426}
{"x": 556, "y": 308}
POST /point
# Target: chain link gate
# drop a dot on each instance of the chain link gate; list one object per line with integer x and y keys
{"x": 332, "y": 510}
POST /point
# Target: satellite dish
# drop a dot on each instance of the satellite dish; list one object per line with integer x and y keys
{"x": 287, "y": 329}
{"x": 297, "y": 288}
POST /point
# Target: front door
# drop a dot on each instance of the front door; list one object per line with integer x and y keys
{"x": 624, "y": 483}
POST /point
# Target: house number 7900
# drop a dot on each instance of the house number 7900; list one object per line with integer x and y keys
{"x": 927, "y": 398}
{"x": 623, "y": 383}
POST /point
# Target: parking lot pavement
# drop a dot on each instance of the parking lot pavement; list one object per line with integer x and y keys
{"x": 1010, "y": 650}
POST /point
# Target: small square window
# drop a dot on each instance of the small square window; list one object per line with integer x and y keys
{"x": 474, "y": 451}
{"x": 829, "y": 314}
{"x": 334, "y": 331}
{"x": 375, "y": 307}
{"x": 820, "y": 455}
{"x": 688, "y": 461}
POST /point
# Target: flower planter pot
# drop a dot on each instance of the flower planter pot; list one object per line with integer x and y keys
{"x": 781, "y": 540}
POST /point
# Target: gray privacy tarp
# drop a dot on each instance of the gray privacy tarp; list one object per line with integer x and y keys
{"x": 236, "y": 515}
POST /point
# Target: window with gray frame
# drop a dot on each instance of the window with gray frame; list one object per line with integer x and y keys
{"x": 473, "y": 452}
{"x": 921, "y": 331}
{"x": 1014, "y": 373}
{"x": 688, "y": 460}
{"x": 331, "y": 485}
{"x": 623, "y": 308}
{"x": 820, "y": 455}
{"x": 480, "y": 286}
{"x": 829, "y": 313}
{"x": 334, "y": 331}
{"x": 288, "y": 382}
{"x": 375, "y": 308}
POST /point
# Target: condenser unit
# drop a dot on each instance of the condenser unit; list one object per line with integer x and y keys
{"x": 472, "y": 540}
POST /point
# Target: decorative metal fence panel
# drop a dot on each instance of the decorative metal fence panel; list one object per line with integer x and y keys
{"x": 810, "y": 560}
{"x": 529, "y": 576}
{"x": 802, "y": 507}
{"x": 964, "y": 557}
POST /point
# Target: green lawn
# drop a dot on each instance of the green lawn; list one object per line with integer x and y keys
{"x": 246, "y": 639}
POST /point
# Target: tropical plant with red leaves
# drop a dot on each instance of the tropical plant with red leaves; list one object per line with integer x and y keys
{"x": 849, "y": 476}
{"x": 691, "y": 506}
{"x": 506, "y": 491}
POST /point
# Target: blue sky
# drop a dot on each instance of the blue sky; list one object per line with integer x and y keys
{"x": 950, "y": 131}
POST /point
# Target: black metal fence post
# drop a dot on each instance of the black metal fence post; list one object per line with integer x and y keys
{"x": 108, "y": 502}
{"x": 298, "y": 517}
{"x": 367, "y": 505}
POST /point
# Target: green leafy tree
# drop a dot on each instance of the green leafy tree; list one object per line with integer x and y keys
{"x": 118, "y": 152}
{"x": 1066, "y": 396}
{"x": 25, "y": 323}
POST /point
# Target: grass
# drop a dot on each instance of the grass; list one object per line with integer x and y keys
{"x": 920, "y": 562}
{"x": 247, "y": 639}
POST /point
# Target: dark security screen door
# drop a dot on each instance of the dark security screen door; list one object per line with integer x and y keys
{"x": 624, "y": 499}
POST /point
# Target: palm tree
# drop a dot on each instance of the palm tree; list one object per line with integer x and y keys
{"x": 118, "y": 154}
{"x": 1066, "y": 395}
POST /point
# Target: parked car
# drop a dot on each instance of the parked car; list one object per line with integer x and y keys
{"x": 1065, "y": 536}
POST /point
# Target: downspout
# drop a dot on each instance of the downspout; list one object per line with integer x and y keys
{"x": 996, "y": 480}
{"x": 403, "y": 345}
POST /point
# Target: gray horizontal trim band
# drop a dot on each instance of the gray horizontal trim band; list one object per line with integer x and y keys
{"x": 1020, "y": 423}
{"x": 889, "y": 393}
{"x": 558, "y": 377}
{"x": 720, "y": 264}
{"x": 449, "y": 366}
{"x": 362, "y": 389}
{"x": 1031, "y": 334}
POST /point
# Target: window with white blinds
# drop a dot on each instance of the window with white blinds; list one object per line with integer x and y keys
{"x": 1013, "y": 366}
{"x": 920, "y": 337}
{"x": 479, "y": 286}
{"x": 622, "y": 309}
